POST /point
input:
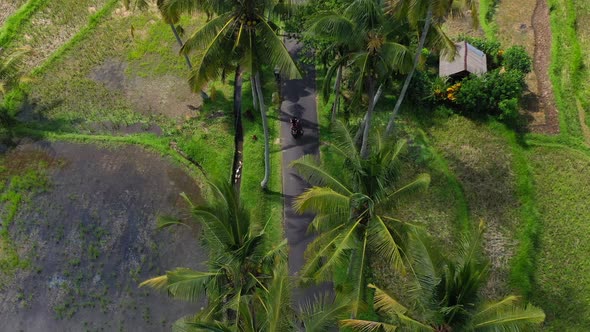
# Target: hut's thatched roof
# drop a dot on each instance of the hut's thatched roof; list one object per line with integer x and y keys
{"x": 468, "y": 60}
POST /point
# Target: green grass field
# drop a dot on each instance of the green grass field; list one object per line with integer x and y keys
{"x": 563, "y": 270}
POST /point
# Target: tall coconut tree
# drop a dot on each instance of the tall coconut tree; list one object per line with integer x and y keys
{"x": 433, "y": 14}
{"x": 241, "y": 267}
{"x": 446, "y": 293}
{"x": 353, "y": 210}
{"x": 242, "y": 33}
{"x": 367, "y": 43}
{"x": 247, "y": 281}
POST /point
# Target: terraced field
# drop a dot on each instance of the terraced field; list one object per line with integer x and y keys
{"x": 8, "y": 7}
{"x": 54, "y": 25}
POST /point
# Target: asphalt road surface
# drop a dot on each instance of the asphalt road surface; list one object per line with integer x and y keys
{"x": 298, "y": 99}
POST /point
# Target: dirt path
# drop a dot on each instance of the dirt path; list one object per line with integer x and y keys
{"x": 542, "y": 58}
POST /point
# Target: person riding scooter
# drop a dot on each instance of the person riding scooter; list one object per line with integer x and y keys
{"x": 296, "y": 128}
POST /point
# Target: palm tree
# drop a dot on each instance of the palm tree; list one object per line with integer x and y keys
{"x": 243, "y": 34}
{"x": 369, "y": 44}
{"x": 247, "y": 283}
{"x": 434, "y": 13}
{"x": 447, "y": 298}
{"x": 10, "y": 70}
{"x": 240, "y": 268}
{"x": 352, "y": 205}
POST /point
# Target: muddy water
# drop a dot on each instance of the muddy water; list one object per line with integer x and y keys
{"x": 91, "y": 238}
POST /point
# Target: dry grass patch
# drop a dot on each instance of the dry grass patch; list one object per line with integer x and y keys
{"x": 482, "y": 162}
{"x": 462, "y": 25}
{"x": 53, "y": 26}
{"x": 513, "y": 19}
{"x": 7, "y": 7}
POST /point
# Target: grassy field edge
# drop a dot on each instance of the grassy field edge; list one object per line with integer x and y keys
{"x": 17, "y": 19}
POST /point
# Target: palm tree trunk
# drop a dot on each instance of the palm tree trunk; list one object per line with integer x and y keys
{"x": 264, "y": 183}
{"x": 359, "y": 132}
{"x": 411, "y": 74}
{"x": 238, "y": 134}
{"x": 177, "y": 36}
{"x": 186, "y": 58}
{"x": 254, "y": 94}
{"x": 361, "y": 129}
{"x": 336, "y": 104}
{"x": 365, "y": 142}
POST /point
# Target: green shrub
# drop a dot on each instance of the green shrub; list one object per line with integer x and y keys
{"x": 508, "y": 109}
{"x": 516, "y": 58}
{"x": 442, "y": 112}
{"x": 421, "y": 87}
{"x": 483, "y": 95}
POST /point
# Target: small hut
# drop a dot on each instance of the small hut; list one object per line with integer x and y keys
{"x": 468, "y": 60}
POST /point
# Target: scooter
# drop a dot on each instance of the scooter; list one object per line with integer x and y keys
{"x": 296, "y": 128}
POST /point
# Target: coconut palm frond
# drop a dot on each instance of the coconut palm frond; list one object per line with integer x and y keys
{"x": 321, "y": 263}
{"x": 358, "y": 263}
{"x": 440, "y": 40}
{"x": 398, "y": 56}
{"x": 316, "y": 175}
{"x": 277, "y": 250}
{"x": 323, "y": 312}
{"x": 278, "y": 300}
{"x": 185, "y": 324}
{"x": 425, "y": 265}
{"x": 215, "y": 227}
{"x": 322, "y": 245}
{"x": 385, "y": 245}
{"x": 204, "y": 326}
{"x": 186, "y": 284}
{"x": 213, "y": 47}
{"x": 367, "y": 14}
{"x": 275, "y": 51}
{"x": 367, "y": 325}
{"x": 322, "y": 200}
{"x": 167, "y": 221}
{"x": 385, "y": 302}
{"x": 156, "y": 282}
{"x": 421, "y": 182}
{"x": 325, "y": 222}
{"x": 174, "y": 8}
{"x": 345, "y": 146}
{"x": 413, "y": 325}
{"x": 192, "y": 6}
{"x": 361, "y": 61}
{"x": 333, "y": 26}
{"x": 507, "y": 315}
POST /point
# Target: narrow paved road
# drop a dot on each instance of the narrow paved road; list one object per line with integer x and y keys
{"x": 299, "y": 99}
